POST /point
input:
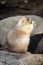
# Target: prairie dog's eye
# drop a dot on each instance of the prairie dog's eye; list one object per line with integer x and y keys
{"x": 27, "y": 19}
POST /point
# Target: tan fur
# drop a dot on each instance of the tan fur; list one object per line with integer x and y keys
{"x": 18, "y": 38}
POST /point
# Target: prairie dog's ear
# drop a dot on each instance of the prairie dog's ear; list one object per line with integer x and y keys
{"x": 21, "y": 20}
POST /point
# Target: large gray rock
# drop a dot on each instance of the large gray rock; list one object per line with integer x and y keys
{"x": 7, "y": 24}
{"x": 8, "y": 58}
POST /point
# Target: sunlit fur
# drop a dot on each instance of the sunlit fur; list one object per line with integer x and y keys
{"x": 18, "y": 38}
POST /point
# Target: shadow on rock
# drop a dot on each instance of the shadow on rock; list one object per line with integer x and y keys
{"x": 36, "y": 44}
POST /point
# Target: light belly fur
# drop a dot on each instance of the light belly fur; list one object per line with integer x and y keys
{"x": 21, "y": 44}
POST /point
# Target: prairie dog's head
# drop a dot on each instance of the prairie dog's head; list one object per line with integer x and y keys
{"x": 26, "y": 24}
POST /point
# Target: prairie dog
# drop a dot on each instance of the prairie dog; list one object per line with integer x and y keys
{"x": 18, "y": 38}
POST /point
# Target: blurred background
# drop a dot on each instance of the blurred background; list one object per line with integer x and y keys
{"x": 20, "y": 7}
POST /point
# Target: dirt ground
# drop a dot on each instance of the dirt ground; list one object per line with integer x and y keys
{"x": 20, "y": 8}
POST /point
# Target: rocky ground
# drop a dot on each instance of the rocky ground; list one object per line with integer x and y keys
{"x": 8, "y": 58}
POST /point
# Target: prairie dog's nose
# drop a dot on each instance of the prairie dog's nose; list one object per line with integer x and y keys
{"x": 34, "y": 23}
